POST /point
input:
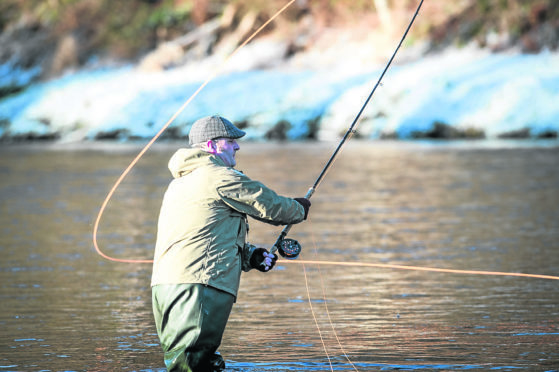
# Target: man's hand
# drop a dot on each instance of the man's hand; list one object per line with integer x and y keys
{"x": 306, "y": 203}
{"x": 262, "y": 260}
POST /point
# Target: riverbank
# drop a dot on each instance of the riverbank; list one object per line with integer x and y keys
{"x": 466, "y": 93}
{"x": 303, "y": 79}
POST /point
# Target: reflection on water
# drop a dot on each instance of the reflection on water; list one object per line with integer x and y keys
{"x": 497, "y": 209}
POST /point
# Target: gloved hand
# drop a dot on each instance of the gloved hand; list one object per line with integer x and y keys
{"x": 306, "y": 203}
{"x": 262, "y": 260}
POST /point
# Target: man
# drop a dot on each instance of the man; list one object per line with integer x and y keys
{"x": 201, "y": 248}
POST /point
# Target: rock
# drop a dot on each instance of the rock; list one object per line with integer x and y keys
{"x": 26, "y": 49}
{"x": 516, "y": 134}
{"x": 165, "y": 56}
{"x": 445, "y": 131}
{"x": 27, "y": 44}
{"x": 65, "y": 56}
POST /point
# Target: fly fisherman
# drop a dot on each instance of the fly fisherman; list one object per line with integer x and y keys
{"x": 201, "y": 243}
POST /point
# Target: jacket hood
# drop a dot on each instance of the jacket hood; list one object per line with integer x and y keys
{"x": 187, "y": 160}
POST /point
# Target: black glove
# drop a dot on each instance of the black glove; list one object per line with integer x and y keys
{"x": 258, "y": 261}
{"x": 306, "y": 203}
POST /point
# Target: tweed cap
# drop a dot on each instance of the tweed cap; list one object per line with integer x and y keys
{"x": 212, "y": 127}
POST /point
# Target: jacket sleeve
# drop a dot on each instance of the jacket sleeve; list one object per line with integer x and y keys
{"x": 258, "y": 201}
{"x": 247, "y": 251}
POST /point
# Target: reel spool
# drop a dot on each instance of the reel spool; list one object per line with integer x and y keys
{"x": 289, "y": 248}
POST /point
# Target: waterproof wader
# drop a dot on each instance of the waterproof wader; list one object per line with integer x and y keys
{"x": 190, "y": 321}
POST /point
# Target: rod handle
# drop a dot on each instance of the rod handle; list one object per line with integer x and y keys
{"x": 286, "y": 228}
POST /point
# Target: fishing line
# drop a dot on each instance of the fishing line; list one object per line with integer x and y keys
{"x": 348, "y": 134}
{"x": 158, "y": 134}
{"x": 315, "y": 252}
{"x": 423, "y": 268}
{"x": 315, "y": 318}
{"x": 319, "y": 180}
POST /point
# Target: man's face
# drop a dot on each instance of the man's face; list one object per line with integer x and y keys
{"x": 225, "y": 149}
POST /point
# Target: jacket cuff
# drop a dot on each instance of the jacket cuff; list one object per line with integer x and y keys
{"x": 248, "y": 250}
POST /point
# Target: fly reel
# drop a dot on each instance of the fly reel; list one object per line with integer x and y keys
{"x": 289, "y": 248}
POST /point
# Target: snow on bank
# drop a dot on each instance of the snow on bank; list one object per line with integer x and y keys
{"x": 494, "y": 93}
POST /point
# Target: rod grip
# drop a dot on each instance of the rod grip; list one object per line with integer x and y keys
{"x": 286, "y": 228}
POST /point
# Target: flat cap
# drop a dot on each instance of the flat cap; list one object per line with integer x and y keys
{"x": 212, "y": 127}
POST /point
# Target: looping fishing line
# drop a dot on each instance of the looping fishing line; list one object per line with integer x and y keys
{"x": 181, "y": 109}
{"x": 350, "y": 133}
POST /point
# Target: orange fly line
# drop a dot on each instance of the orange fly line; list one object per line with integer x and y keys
{"x": 177, "y": 113}
{"x": 422, "y": 268}
{"x": 302, "y": 262}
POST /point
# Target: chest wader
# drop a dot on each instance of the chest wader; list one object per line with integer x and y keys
{"x": 190, "y": 321}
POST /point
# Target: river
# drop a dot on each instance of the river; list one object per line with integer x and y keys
{"x": 468, "y": 207}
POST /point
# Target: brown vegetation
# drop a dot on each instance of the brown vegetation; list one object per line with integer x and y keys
{"x": 57, "y": 34}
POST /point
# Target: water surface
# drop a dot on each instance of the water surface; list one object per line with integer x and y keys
{"x": 63, "y": 307}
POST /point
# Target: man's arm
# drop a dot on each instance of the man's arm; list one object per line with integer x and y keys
{"x": 260, "y": 202}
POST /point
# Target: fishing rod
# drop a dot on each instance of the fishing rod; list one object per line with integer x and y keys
{"x": 290, "y": 248}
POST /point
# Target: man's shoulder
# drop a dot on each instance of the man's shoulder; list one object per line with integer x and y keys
{"x": 227, "y": 174}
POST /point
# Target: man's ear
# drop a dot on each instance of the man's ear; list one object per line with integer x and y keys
{"x": 211, "y": 147}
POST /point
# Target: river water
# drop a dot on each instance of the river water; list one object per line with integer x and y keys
{"x": 469, "y": 207}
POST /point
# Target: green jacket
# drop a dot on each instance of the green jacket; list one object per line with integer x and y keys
{"x": 203, "y": 221}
